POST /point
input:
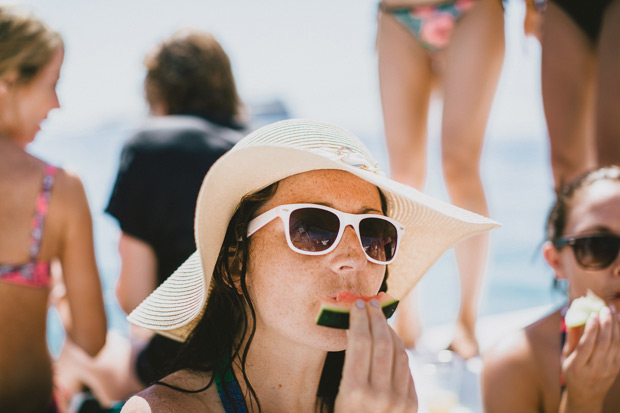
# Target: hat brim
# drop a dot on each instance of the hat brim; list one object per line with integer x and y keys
{"x": 431, "y": 227}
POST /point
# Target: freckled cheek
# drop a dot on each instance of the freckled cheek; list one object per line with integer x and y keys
{"x": 284, "y": 285}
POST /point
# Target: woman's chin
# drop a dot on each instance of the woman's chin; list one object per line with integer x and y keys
{"x": 332, "y": 339}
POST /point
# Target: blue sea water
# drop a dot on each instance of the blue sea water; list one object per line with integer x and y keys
{"x": 319, "y": 59}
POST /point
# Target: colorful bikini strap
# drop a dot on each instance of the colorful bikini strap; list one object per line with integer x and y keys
{"x": 228, "y": 389}
{"x": 41, "y": 209}
{"x": 562, "y": 342}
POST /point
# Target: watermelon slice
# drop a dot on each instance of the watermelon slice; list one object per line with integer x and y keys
{"x": 581, "y": 308}
{"x": 334, "y": 312}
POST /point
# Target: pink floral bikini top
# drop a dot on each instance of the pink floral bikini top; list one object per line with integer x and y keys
{"x": 34, "y": 273}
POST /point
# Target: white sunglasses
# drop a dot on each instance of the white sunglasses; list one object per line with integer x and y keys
{"x": 313, "y": 229}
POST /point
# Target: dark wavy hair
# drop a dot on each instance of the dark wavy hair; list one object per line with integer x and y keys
{"x": 556, "y": 221}
{"x": 26, "y": 43}
{"x": 217, "y": 339}
{"x": 190, "y": 74}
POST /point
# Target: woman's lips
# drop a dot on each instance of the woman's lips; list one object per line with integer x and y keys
{"x": 614, "y": 296}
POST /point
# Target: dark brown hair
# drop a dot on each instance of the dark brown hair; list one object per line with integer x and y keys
{"x": 190, "y": 74}
{"x": 556, "y": 221}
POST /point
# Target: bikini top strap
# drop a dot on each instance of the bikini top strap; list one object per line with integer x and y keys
{"x": 40, "y": 212}
{"x": 562, "y": 342}
{"x": 228, "y": 389}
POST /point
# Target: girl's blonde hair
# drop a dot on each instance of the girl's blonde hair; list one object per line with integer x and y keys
{"x": 26, "y": 43}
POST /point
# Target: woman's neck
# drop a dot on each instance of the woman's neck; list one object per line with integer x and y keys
{"x": 285, "y": 376}
{"x": 9, "y": 143}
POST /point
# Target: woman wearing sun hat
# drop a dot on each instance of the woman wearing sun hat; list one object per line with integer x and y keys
{"x": 245, "y": 303}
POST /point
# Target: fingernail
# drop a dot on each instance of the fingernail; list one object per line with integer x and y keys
{"x": 606, "y": 311}
{"x": 374, "y": 303}
{"x": 612, "y": 308}
{"x": 360, "y": 303}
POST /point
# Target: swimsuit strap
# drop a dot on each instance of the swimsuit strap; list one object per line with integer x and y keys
{"x": 228, "y": 389}
{"x": 562, "y": 341}
{"x": 40, "y": 212}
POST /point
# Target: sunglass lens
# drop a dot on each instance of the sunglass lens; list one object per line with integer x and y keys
{"x": 313, "y": 229}
{"x": 379, "y": 238}
{"x": 596, "y": 252}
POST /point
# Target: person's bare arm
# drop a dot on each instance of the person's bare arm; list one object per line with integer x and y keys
{"x": 509, "y": 378}
{"x": 87, "y": 326}
{"x": 138, "y": 276}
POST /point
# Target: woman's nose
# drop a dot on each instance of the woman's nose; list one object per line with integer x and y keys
{"x": 348, "y": 255}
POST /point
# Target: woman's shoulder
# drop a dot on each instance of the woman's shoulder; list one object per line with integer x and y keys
{"x": 522, "y": 354}
{"x": 68, "y": 202}
{"x": 522, "y": 346}
{"x": 514, "y": 367}
{"x": 68, "y": 183}
{"x": 163, "y": 398}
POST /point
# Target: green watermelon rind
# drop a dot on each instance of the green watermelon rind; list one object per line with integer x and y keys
{"x": 338, "y": 317}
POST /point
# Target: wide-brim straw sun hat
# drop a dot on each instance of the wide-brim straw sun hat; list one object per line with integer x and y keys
{"x": 271, "y": 154}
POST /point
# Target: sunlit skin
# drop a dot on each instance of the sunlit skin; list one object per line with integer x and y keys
{"x": 26, "y": 106}
{"x": 522, "y": 372}
{"x": 409, "y": 75}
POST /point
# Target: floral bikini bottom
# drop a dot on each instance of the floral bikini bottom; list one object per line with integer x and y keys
{"x": 431, "y": 25}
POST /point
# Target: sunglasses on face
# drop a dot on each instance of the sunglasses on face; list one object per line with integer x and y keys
{"x": 313, "y": 229}
{"x": 592, "y": 252}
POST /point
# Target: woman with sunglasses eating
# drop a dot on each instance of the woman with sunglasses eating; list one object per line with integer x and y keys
{"x": 295, "y": 215}
{"x": 547, "y": 366}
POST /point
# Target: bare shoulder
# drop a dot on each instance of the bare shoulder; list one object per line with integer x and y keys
{"x": 160, "y": 398}
{"x": 69, "y": 186}
{"x": 510, "y": 352}
{"x": 511, "y": 377}
{"x": 69, "y": 208}
{"x": 522, "y": 347}
{"x": 157, "y": 399}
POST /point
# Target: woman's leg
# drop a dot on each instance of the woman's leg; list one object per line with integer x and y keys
{"x": 405, "y": 81}
{"x": 608, "y": 88}
{"x": 473, "y": 65}
{"x": 568, "y": 70}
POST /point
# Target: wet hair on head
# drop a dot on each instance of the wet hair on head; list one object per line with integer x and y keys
{"x": 26, "y": 43}
{"x": 189, "y": 73}
{"x": 556, "y": 221}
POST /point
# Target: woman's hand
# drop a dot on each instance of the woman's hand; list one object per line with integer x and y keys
{"x": 591, "y": 367}
{"x": 376, "y": 375}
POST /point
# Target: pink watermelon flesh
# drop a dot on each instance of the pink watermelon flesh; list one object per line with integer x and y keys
{"x": 334, "y": 312}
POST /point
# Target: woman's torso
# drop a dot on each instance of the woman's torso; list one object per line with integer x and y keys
{"x": 24, "y": 359}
